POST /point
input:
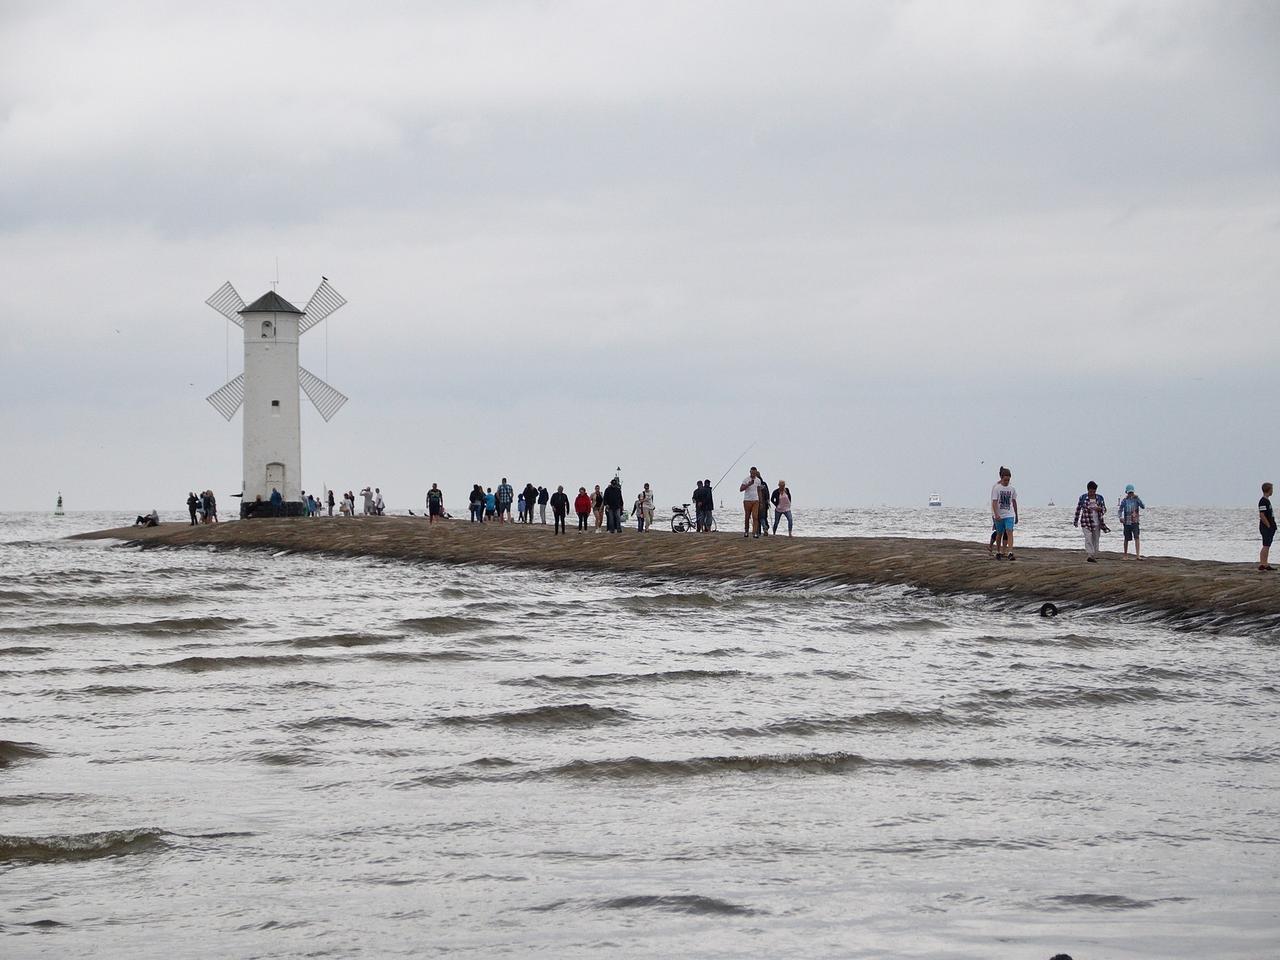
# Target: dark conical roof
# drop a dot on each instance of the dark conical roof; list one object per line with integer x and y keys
{"x": 271, "y": 302}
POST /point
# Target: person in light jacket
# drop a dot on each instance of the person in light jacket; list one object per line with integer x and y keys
{"x": 781, "y": 499}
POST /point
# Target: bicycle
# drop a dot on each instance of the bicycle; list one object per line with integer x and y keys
{"x": 684, "y": 522}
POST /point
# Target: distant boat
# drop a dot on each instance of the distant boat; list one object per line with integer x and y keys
{"x": 57, "y": 511}
{"x": 935, "y": 500}
{"x": 1052, "y": 504}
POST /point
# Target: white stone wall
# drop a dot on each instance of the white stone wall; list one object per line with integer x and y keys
{"x": 272, "y": 434}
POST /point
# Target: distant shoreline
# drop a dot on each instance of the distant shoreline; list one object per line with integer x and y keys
{"x": 1196, "y": 593}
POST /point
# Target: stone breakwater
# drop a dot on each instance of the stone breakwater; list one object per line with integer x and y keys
{"x": 1198, "y": 593}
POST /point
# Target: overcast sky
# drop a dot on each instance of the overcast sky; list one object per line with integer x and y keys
{"x": 894, "y": 245}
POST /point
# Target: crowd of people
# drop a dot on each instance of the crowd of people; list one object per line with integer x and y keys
{"x": 606, "y": 507}
{"x": 1091, "y": 519}
{"x": 203, "y": 507}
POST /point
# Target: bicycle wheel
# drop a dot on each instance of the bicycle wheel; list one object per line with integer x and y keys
{"x": 679, "y": 523}
{"x": 712, "y": 525}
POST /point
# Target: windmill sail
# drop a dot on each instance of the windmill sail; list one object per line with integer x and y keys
{"x": 227, "y": 399}
{"x": 228, "y": 303}
{"x": 327, "y": 400}
{"x": 322, "y": 303}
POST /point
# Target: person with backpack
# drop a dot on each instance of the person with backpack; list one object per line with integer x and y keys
{"x": 559, "y": 509}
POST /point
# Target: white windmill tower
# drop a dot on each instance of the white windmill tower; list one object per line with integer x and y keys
{"x": 268, "y": 388}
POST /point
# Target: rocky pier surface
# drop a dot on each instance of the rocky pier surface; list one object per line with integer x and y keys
{"x": 1197, "y": 593}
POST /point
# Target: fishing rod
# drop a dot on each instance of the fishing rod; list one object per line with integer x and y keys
{"x": 734, "y": 464}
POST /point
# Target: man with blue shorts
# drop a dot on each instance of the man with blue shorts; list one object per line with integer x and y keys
{"x": 1004, "y": 512}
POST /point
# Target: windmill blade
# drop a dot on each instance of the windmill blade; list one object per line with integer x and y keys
{"x": 322, "y": 303}
{"x": 228, "y": 303}
{"x": 327, "y": 400}
{"x": 227, "y": 399}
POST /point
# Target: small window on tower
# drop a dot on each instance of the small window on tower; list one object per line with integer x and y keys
{"x": 275, "y": 403}
{"x": 267, "y": 329}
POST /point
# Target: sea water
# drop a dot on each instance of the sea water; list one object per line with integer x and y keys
{"x": 240, "y": 754}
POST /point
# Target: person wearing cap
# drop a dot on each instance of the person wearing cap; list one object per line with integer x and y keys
{"x": 1091, "y": 514}
{"x": 1128, "y": 511}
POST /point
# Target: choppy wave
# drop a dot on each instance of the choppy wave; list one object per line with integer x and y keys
{"x": 338, "y": 640}
{"x": 328, "y": 723}
{"x": 420, "y": 656}
{"x": 24, "y": 651}
{"x": 445, "y": 624}
{"x": 204, "y": 664}
{"x": 615, "y": 679}
{"x": 875, "y": 720}
{"x": 163, "y": 627}
{"x": 12, "y": 752}
{"x": 80, "y": 846}
{"x": 1105, "y": 901}
{"x": 687, "y": 903}
{"x": 835, "y": 762}
{"x": 673, "y": 601}
{"x": 551, "y": 715}
{"x": 103, "y": 690}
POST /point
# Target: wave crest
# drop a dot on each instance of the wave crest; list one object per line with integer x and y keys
{"x": 80, "y": 846}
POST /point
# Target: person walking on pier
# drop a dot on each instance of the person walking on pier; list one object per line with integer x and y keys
{"x": 1266, "y": 527}
{"x": 751, "y": 488}
{"x": 582, "y": 507}
{"x": 781, "y": 499}
{"x": 490, "y": 504}
{"x": 1091, "y": 518}
{"x": 332, "y": 501}
{"x": 1129, "y": 512}
{"x": 613, "y": 504}
{"x": 1004, "y": 511}
{"x": 505, "y": 495}
{"x": 192, "y": 503}
{"x": 559, "y": 509}
{"x": 597, "y": 507}
{"x": 543, "y": 497}
{"x": 476, "y": 501}
{"x": 764, "y": 506}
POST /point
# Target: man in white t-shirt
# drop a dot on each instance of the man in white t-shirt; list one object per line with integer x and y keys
{"x": 1004, "y": 514}
{"x": 752, "y": 488}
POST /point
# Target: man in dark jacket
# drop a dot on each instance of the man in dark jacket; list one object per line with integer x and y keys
{"x": 530, "y": 498}
{"x": 559, "y": 509}
{"x": 542, "y": 503}
{"x": 613, "y": 505}
{"x": 192, "y": 503}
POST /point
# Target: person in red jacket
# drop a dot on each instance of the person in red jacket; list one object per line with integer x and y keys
{"x": 582, "y": 506}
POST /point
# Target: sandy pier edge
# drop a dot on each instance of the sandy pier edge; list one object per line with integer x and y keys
{"x": 1200, "y": 593}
